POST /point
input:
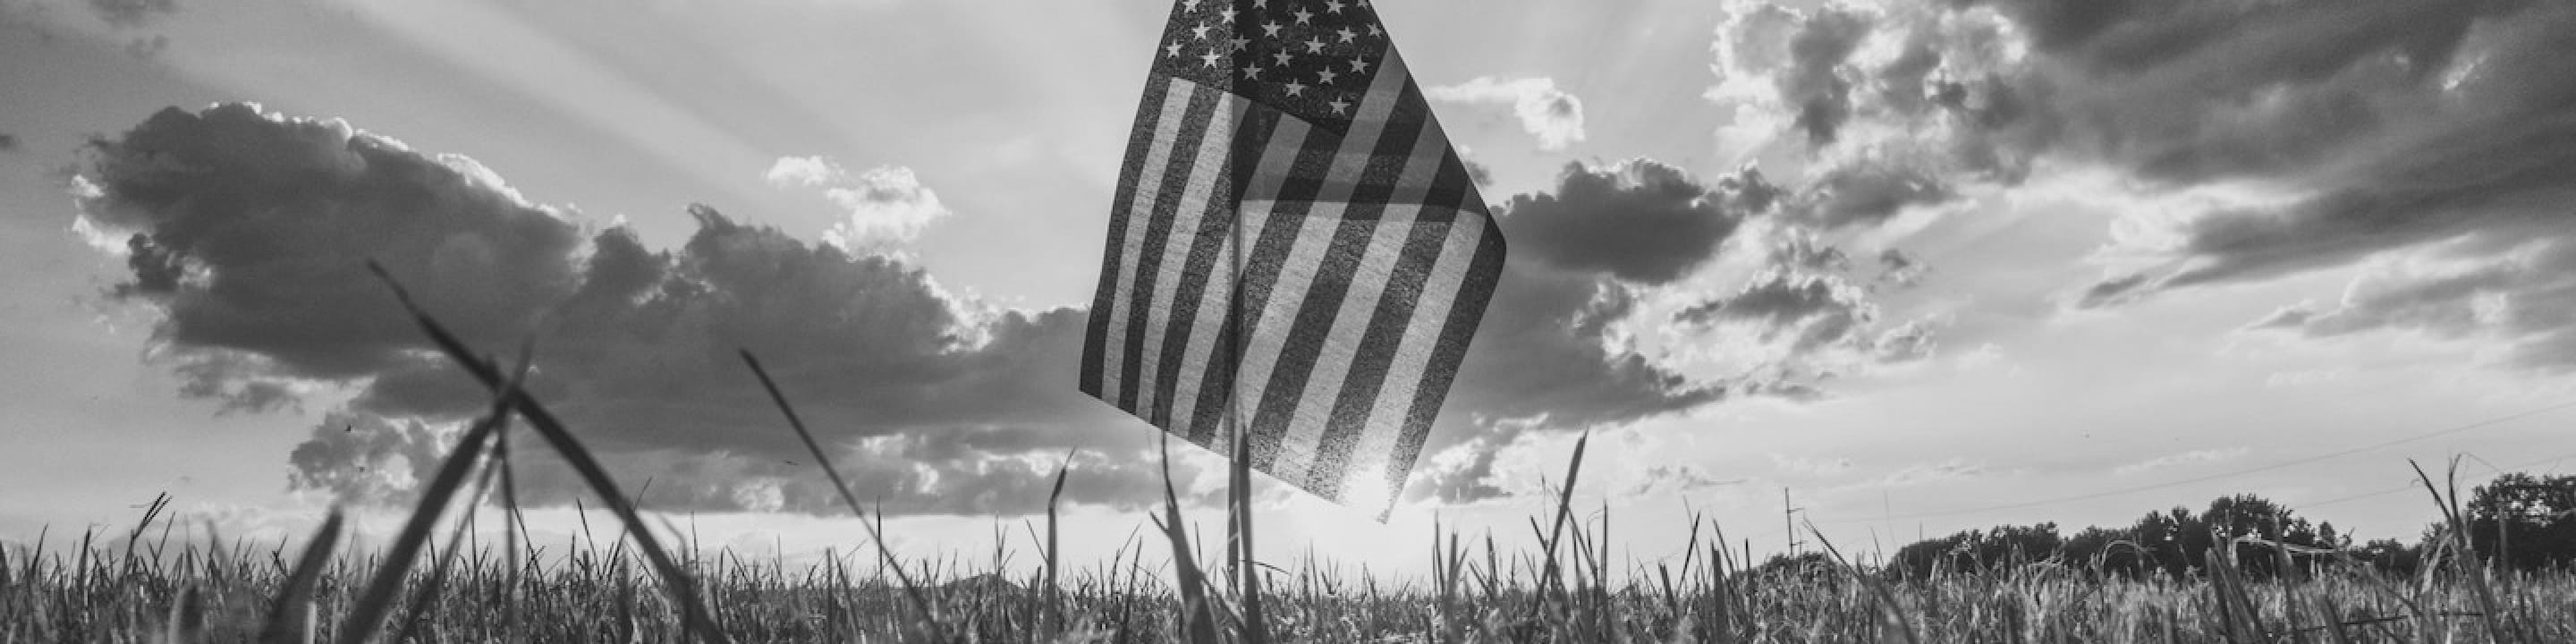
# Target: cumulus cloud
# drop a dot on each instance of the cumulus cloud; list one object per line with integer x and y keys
{"x": 1553, "y": 355}
{"x": 2381, "y": 129}
{"x": 1640, "y": 221}
{"x": 1551, "y": 114}
{"x": 248, "y": 231}
{"x": 883, "y": 205}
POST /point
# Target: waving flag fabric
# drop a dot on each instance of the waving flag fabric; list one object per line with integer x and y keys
{"x": 1293, "y": 233}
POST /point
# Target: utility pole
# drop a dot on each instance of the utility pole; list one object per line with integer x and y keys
{"x": 1789, "y": 524}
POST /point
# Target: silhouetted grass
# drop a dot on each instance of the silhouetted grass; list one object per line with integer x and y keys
{"x": 636, "y": 590}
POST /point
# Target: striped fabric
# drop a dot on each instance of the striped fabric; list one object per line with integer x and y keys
{"x": 1291, "y": 128}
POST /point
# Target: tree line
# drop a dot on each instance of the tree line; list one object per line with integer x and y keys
{"x": 2517, "y": 521}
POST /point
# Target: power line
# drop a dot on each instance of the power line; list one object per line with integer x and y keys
{"x": 2223, "y": 475}
{"x": 2411, "y": 487}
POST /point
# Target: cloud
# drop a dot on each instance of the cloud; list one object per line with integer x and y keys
{"x": 132, "y": 13}
{"x": 883, "y": 205}
{"x": 2114, "y": 291}
{"x": 2182, "y": 459}
{"x": 2377, "y": 130}
{"x": 246, "y": 232}
{"x": 2525, "y": 298}
{"x": 1554, "y": 353}
{"x": 1929, "y": 473}
{"x": 1816, "y": 82}
{"x": 1868, "y": 193}
{"x": 1813, "y": 310}
{"x": 1551, "y": 114}
{"x": 1639, "y": 221}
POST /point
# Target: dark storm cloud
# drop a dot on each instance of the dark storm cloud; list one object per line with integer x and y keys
{"x": 1813, "y": 310}
{"x": 1548, "y": 357}
{"x": 1816, "y": 83}
{"x": 2382, "y": 126}
{"x": 247, "y": 233}
{"x": 1868, "y": 193}
{"x": 132, "y": 13}
{"x": 1640, "y": 221}
{"x": 249, "y": 230}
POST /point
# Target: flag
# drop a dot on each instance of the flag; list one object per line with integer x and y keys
{"x": 1292, "y": 239}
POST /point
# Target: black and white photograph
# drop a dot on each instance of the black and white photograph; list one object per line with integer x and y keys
{"x": 1288, "y": 321}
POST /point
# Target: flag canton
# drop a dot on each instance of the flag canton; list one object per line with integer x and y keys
{"x": 1313, "y": 59}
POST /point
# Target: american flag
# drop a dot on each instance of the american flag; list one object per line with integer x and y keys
{"x": 1293, "y": 128}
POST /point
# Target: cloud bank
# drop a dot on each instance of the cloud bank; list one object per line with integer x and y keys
{"x": 245, "y": 231}
{"x": 2367, "y": 133}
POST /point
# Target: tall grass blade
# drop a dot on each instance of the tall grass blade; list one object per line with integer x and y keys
{"x": 368, "y": 614}
{"x": 290, "y": 612}
{"x": 675, "y": 580}
{"x": 929, "y": 612}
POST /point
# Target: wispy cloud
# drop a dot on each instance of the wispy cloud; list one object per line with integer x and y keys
{"x": 2181, "y": 460}
{"x": 1553, "y": 115}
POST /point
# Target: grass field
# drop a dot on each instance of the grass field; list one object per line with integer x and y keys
{"x": 134, "y": 586}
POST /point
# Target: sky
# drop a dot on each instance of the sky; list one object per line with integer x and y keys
{"x": 1916, "y": 267}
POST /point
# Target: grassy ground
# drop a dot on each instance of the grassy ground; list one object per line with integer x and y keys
{"x": 219, "y": 592}
{"x": 632, "y": 588}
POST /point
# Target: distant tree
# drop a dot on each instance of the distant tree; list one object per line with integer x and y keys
{"x": 2173, "y": 543}
{"x": 2524, "y": 522}
{"x": 1978, "y": 551}
{"x": 2390, "y": 556}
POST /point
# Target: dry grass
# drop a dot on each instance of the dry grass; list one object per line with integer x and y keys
{"x": 634, "y": 589}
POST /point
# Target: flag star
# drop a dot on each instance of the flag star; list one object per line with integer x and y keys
{"x": 1296, "y": 88}
{"x": 1271, "y": 29}
{"x": 1200, "y": 31}
{"x": 1334, "y": 6}
{"x": 1261, "y": 3}
{"x": 1283, "y": 57}
{"x": 1172, "y": 50}
{"x": 1327, "y": 75}
{"x": 1347, "y": 34}
{"x": 1239, "y": 43}
{"x": 1304, "y": 16}
{"x": 1227, "y": 14}
{"x": 1211, "y": 58}
{"x": 1360, "y": 65}
{"x": 1190, "y": 5}
{"x": 1340, "y": 106}
{"x": 1252, "y": 72}
{"x": 1375, "y": 30}
{"x": 1314, "y": 46}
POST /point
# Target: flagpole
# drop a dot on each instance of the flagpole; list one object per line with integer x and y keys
{"x": 1240, "y": 481}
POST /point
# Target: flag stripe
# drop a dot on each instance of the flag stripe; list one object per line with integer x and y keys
{"x": 1158, "y": 228}
{"x": 1379, "y": 345}
{"x": 1205, "y": 217}
{"x": 1316, "y": 277}
{"x": 1284, "y": 218}
{"x": 1465, "y": 311}
{"x": 1393, "y": 147}
{"x": 1416, "y": 352}
{"x": 1362, "y": 264}
{"x": 1143, "y": 183}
